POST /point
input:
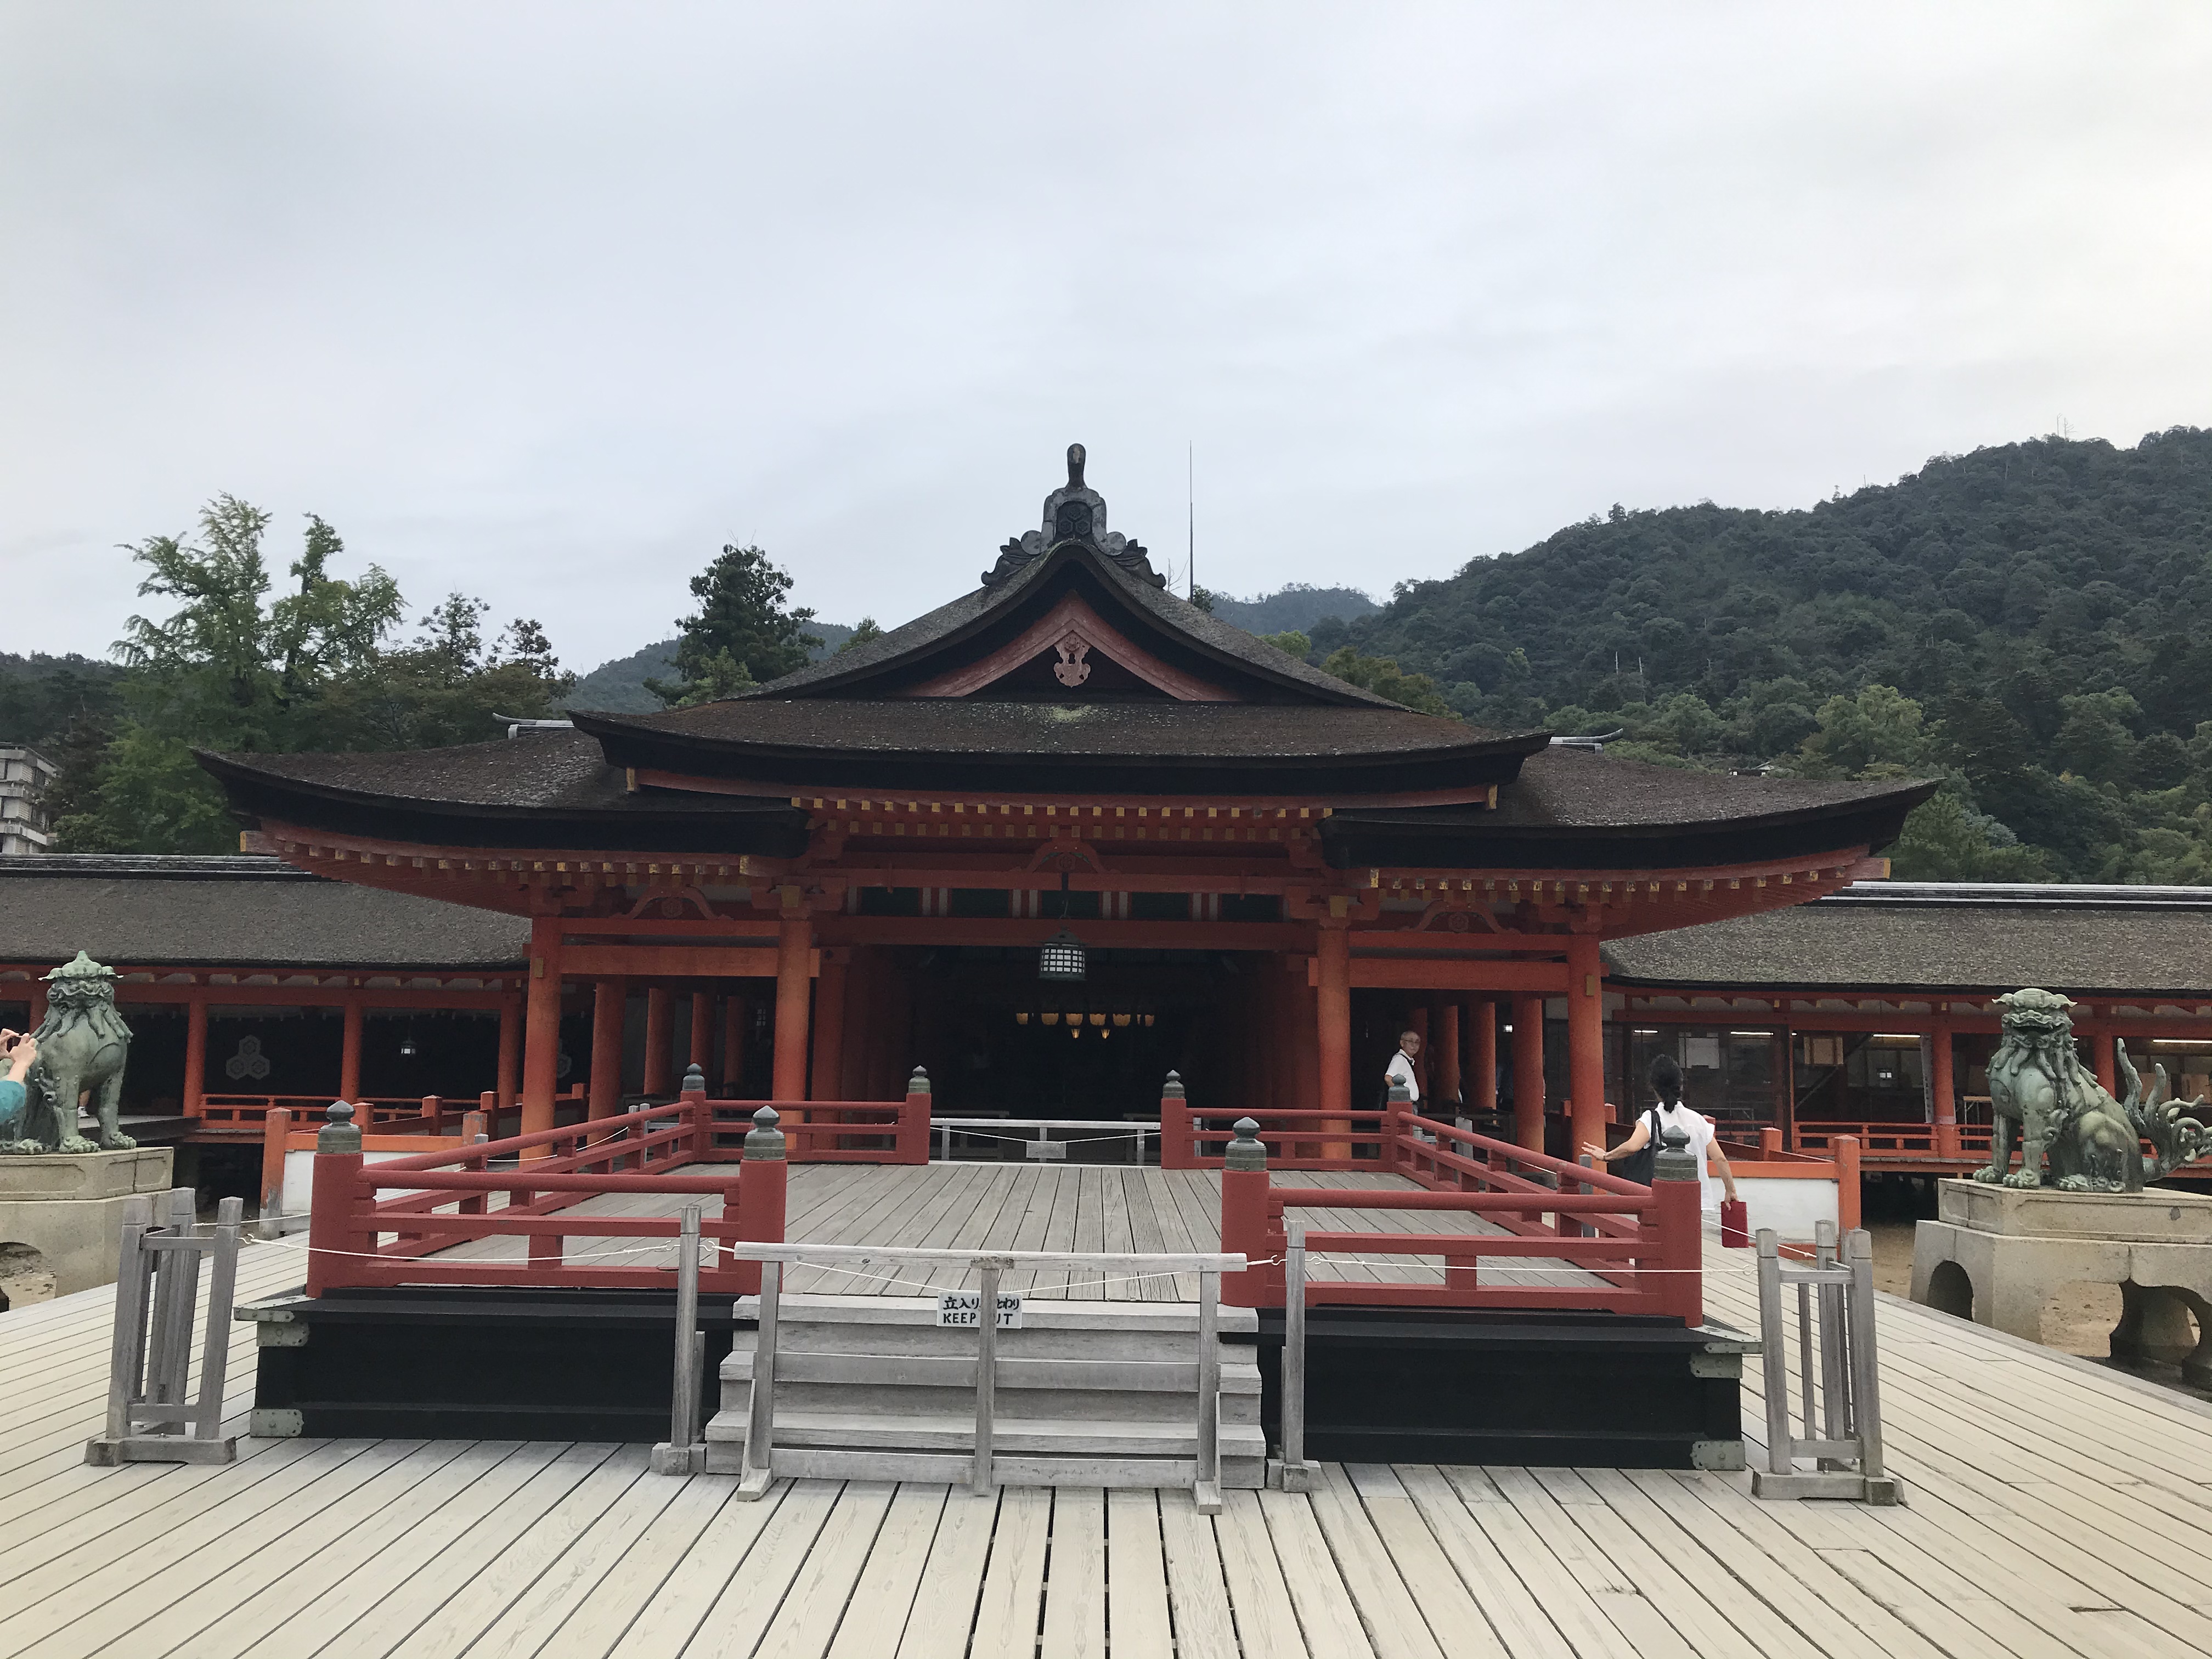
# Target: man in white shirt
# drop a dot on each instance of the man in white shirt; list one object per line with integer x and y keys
{"x": 1402, "y": 1069}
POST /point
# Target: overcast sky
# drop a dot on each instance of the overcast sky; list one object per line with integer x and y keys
{"x": 547, "y": 301}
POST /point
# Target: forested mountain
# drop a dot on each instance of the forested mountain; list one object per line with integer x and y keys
{"x": 1300, "y": 605}
{"x": 2030, "y": 621}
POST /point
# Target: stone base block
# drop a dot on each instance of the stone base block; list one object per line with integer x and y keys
{"x": 43, "y": 1177}
{"x": 1985, "y": 1259}
{"x": 68, "y": 1206}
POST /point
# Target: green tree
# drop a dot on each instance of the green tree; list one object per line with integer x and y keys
{"x": 1381, "y": 676}
{"x": 238, "y": 665}
{"x": 1879, "y": 727}
{"x": 863, "y": 631}
{"x": 1291, "y": 641}
{"x": 742, "y": 616}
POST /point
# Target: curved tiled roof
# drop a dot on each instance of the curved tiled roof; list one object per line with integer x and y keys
{"x": 1580, "y": 789}
{"x": 1214, "y": 731}
{"x": 247, "y": 911}
{"x": 1932, "y": 939}
{"x": 852, "y": 669}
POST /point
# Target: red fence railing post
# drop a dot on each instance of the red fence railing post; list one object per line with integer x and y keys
{"x": 276, "y": 1131}
{"x": 1245, "y": 1217}
{"x": 1176, "y": 1152}
{"x": 1397, "y": 1130}
{"x": 1770, "y": 1141}
{"x": 1676, "y": 1219}
{"x": 1844, "y": 1149}
{"x": 912, "y": 1140}
{"x": 763, "y": 1179}
{"x": 335, "y": 1227}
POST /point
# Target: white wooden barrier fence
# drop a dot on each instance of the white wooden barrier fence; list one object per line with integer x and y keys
{"x": 1835, "y": 1339}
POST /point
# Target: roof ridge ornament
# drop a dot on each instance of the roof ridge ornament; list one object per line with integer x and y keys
{"x": 1074, "y": 512}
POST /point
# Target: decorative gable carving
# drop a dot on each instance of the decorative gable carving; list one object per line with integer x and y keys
{"x": 1073, "y": 632}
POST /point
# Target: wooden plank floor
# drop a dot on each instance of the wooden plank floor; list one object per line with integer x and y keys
{"x": 2055, "y": 1510}
{"x": 1029, "y": 1206}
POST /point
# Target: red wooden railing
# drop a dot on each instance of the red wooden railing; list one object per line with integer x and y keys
{"x": 830, "y": 1130}
{"x": 1643, "y": 1242}
{"x": 1298, "y": 1138}
{"x": 248, "y": 1112}
{"x": 359, "y": 1239}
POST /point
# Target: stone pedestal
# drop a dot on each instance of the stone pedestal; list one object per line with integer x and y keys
{"x": 1997, "y": 1254}
{"x": 69, "y": 1208}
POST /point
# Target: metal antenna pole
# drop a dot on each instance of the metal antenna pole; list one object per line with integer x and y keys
{"x": 1190, "y": 528}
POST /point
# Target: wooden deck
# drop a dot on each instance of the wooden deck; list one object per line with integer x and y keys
{"x": 2055, "y": 1509}
{"x": 1029, "y": 1206}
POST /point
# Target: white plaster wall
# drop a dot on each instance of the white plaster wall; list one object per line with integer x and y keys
{"x": 300, "y": 1184}
{"x": 1790, "y": 1207}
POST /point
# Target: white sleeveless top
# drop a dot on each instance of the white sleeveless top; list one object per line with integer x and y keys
{"x": 1699, "y": 1128}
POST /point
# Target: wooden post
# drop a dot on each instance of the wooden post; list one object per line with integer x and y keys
{"x": 37, "y": 1014}
{"x": 913, "y": 1137}
{"x": 1529, "y": 1073}
{"x": 195, "y": 1054}
{"x": 1484, "y": 1060}
{"x": 610, "y": 1000}
{"x": 507, "y": 1084}
{"x": 794, "y": 983}
{"x": 1244, "y": 1216}
{"x": 1941, "y": 1086}
{"x": 275, "y": 1132}
{"x": 1677, "y": 1223}
{"x": 762, "y": 1183}
{"x": 1845, "y": 1150}
{"x": 828, "y": 1081}
{"x": 1333, "y": 1033}
{"x": 1176, "y": 1152}
{"x": 660, "y": 1028}
{"x": 541, "y": 1031}
{"x": 350, "y": 1048}
{"x": 2101, "y": 1061}
{"x": 702, "y": 1031}
{"x": 333, "y": 1242}
{"x": 1446, "y": 1073}
{"x": 1585, "y": 1042}
{"x": 733, "y": 1042}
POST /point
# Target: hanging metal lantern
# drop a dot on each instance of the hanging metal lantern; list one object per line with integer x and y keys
{"x": 1063, "y": 958}
{"x": 1021, "y": 1016}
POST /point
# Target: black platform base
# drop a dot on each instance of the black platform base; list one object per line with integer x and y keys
{"x": 1594, "y": 1390}
{"x": 450, "y": 1364}
{"x": 1383, "y": 1385}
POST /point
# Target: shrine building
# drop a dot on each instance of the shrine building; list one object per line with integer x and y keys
{"x": 1050, "y": 840}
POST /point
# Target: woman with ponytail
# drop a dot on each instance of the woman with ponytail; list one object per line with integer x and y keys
{"x": 1665, "y": 1077}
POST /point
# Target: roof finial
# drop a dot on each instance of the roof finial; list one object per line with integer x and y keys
{"x": 1075, "y": 467}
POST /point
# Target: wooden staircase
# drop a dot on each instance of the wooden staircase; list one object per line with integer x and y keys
{"x": 1094, "y": 1394}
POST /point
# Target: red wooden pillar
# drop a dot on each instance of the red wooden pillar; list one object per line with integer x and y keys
{"x": 733, "y": 1042}
{"x": 1941, "y": 1084}
{"x": 1585, "y": 1042}
{"x": 37, "y": 1014}
{"x": 2102, "y": 1062}
{"x": 541, "y": 1055}
{"x": 1446, "y": 1073}
{"x": 610, "y": 997}
{"x": 829, "y": 1072}
{"x": 794, "y": 947}
{"x": 702, "y": 1030}
{"x": 195, "y": 1053}
{"x": 660, "y": 1036}
{"x": 349, "y": 1050}
{"x": 1529, "y": 1073}
{"x": 1332, "y": 1031}
{"x": 1482, "y": 1059}
{"x": 507, "y": 1084}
